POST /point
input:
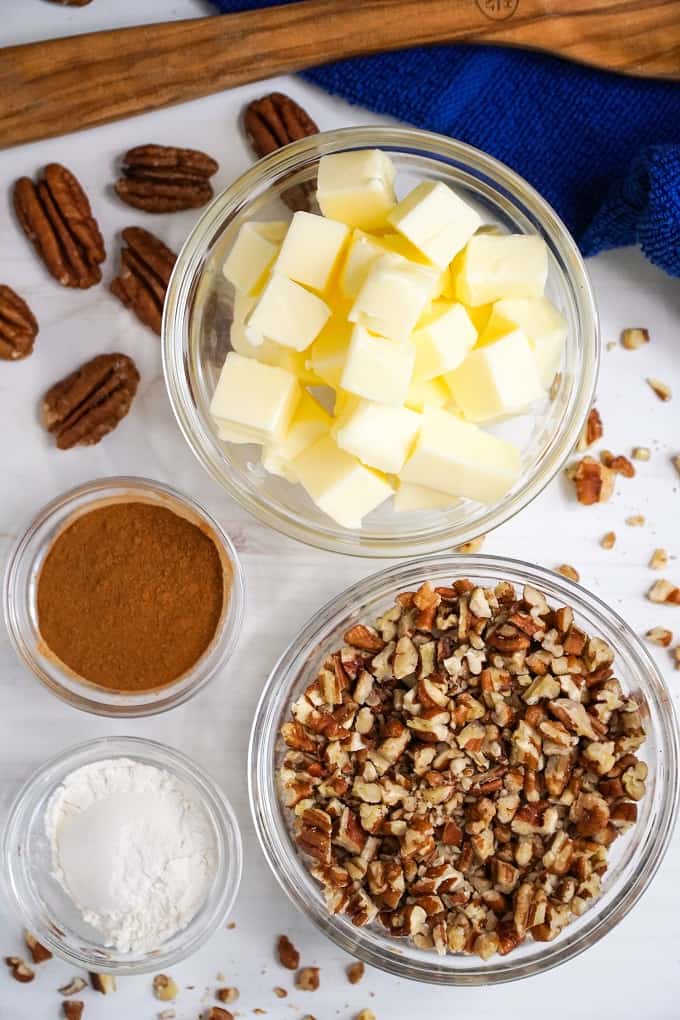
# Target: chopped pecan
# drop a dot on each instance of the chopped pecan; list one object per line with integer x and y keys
{"x": 608, "y": 540}
{"x": 272, "y": 122}
{"x": 165, "y": 988}
{"x": 593, "y": 481}
{"x": 39, "y": 954}
{"x": 74, "y": 986}
{"x": 566, "y": 570}
{"x": 664, "y": 593}
{"x": 662, "y": 389}
{"x": 145, "y": 268}
{"x": 18, "y": 326}
{"x": 164, "y": 178}
{"x": 365, "y": 638}
{"x": 619, "y": 464}
{"x": 19, "y": 969}
{"x": 592, "y": 430}
{"x": 229, "y": 994}
{"x": 307, "y": 979}
{"x": 288, "y": 954}
{"x": 660, "y": 636}
{"x": 88, "y": 404}
{"x": 659, "y": 559}
{"x": 104, "y": 983}
{"x": 73, "y": 1009}
{"x": 355, "y": 972}
{"x": 633, "y": 339}
{"x": 56, "y": 216}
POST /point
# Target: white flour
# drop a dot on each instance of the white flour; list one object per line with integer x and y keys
{"x": 133, "y": 848}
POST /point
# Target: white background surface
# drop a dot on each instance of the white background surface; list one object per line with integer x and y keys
{"x": 635, "y": 972}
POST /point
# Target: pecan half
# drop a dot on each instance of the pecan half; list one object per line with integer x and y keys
{"x": 164, "y": 178}
{"x": 55, "y": 215}
{"x": 145, "y": 267}
{"x": 18, "y": 326}
{"x": 82, "y": 408}
{"x": 272, "y": 122}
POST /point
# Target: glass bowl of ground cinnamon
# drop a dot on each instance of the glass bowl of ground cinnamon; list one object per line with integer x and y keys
{"x": 124, "y": 597}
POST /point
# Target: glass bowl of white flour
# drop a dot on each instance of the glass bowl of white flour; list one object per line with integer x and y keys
{"x": 122, "y": 856}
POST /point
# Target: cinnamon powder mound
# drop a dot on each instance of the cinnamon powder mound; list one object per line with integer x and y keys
{"x": 130, "y": 596}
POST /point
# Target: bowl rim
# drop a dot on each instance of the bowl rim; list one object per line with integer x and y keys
{"x": 187, "y": 272}
{"x": 87, "y": 699}
{"x": 218, "y": 805}
{"x": 265, "y": 805}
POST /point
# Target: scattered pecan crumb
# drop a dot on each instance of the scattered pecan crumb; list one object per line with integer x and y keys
{"x": 664, "y": 593}
{"x": 217, "y": 1013}
{"x": 636, "y": 521}
{"x": 19, "y": 969}
{"x": 231, "y": 925}
{"x": 641, "y": 453}
{"x": 365, "y": 1014}
{"x": 473, "y": 546}
{"x": 167, "y": 1014}
{"x": 74, "y": 986}
{"x": 104, "y": 983}
{"x": 660, "y": 636}
{"x": 260, "y": 1012}
{"x": 164, "y": 988}
{"x": 659, "y": 559}
{"x": 73, "y": 1009}
{"x": 38, "y": 952}
{"x": 662, "y": 390}
{"x": 566, "y": 570}
{"x": 307, "y": 979}
{"x": 227, "y": 994}
{"x": 676, "y": 463}
{"x": 618, "y": 463}
{"x": 308, "y": 1016}
{"x": 633, "y": 339}
{"x": 288, "y": 954}
{"x": 592, "y": 430}
{"x": 355, "y": 972}
{"x": 608, "y": 541}
{"x": 280, "y": 993}
{"x": 593, "y": 481}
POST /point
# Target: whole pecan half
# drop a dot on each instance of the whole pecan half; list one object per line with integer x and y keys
{"x": 55, "y": 215}
{"x": 274, "y": 121}
{"x": 82, "y": 408}
{"x": 145, "y": 267}
{"x": 163, "y": 178}
{"x": 18, "y": 326}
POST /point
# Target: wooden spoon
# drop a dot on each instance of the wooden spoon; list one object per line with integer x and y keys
{"x": 51, "y": 88}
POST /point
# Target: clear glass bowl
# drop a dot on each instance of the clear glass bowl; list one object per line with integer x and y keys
{"x": 198, "y": 315}
{"x": 634, "y": 858}
{"x": 20, "y": 599}
{"x": 46, "y": 910}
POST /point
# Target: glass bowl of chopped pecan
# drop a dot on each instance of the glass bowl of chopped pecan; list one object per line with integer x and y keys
{"x": 464, "y": 769}
{"x": 333, "y": 376}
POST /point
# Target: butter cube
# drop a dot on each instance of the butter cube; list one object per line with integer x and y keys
{"x": 393, "y": 296}
{"x": 253, "y": 254}
{"x": 288, "y": 314}
{"x": 363, "y": 251}
{"x": 507, "y": 266}
{"x": 434, "y": 219}
{"x": 238, "y": 434}
{"x": 339, "y": 484}
{"x": 443, "y": 338}
{"x": 496, "y": 379}
{"x": 454, "y": 456}
{"x": 309, "y": 423}
{"x": 542, "y": 324}
{"x": 328, "y": 353}
{"x": 427, "y": 393}
{"x": 311, "y": 250}
{"x": 356, "y": 188}
{"x": 418, "y": 497}
{"x": 376, "y": 368}
{"x": 379, "y": 435}
{"x": 255, "y": 397}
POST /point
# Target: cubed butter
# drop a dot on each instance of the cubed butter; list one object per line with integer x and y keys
{"x": 339, "y": 483}
{"x": 288, "y": 314}
{"x": 434, "y": 219}
{"x": 454, "y": 456}
{"x": 540, "y": 321}
{"x": 418, "y": 497}
{"x": 496, "y": 379}
{"x": 253, "y": 254}
{"x": 255, "y": 397}
{"x": 327, "y": 355}
{"x": 363, "y": 250}
{"x": 507, "y": 266}
{"x": 309, "y": 423}
{"x": 376, "y": 368}
{"x": 311, "y": 250}
{"x": 356, "y": 188}
{"x": 230, "y": 433}
{"x": 379, "y": 435}
{"x": 443, "y": 338}
{"x": 427, "y": 393}
{"x": 393, "y": 297}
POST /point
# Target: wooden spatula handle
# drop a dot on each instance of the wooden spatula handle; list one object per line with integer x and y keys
{"x": 50, "y": 88}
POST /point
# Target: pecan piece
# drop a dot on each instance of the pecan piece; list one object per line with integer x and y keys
{"x": 56, "y": 216}
{"x": 288, "y": 954}
{"x": 19, "y": 969}
{"x": 594, "y": 482}
{"x": 82, "y": 408}
{"x": 39, "y": 953}
{"x": 164, "y": 178}
{"x": 145, "y": 268}
{"x": 18, "y": 326}
{"x": 592, "y": 430}
{"x": 274, "y": 121}
{"x": 73, "y": 1009}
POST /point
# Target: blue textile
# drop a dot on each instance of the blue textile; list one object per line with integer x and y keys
{"x": 603, "y": 149}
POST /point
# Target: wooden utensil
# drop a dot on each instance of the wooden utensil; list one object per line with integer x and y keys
{"x": 51, "y": 88}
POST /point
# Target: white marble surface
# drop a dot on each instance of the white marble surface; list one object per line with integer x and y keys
{"x": 635, "y": 971}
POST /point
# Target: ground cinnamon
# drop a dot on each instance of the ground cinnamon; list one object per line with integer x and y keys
{"x": 130, "y": 595}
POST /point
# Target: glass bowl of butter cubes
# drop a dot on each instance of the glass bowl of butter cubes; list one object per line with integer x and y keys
{"x": 380, "y": 341}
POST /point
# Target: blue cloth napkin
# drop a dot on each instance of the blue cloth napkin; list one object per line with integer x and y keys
{"x": 604, "y": 149}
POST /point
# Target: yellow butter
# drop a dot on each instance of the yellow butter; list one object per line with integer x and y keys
{"x": 496, "y": 379}
{"x": 252, "y": 255}
{"x": 443, "y": 338}
{"x": 311, "y": 250}
{"x": 255, "y": 397}
{"x": 379, "y": 435}
{"x": 544, "y": 326}
{"x": 339, "y": 483}
{"x": 309, "y": 423}
{"x": 427, "y": 393}
{"x": 393, "y": 297}
{"x": 356, "y": 188}
{"x": 417, "y": 497}
{"x": 505, "y": 266}
{"x": 287, "y": 313}
{"x": 376, "y": 368}
{"x": 434, "y": 219}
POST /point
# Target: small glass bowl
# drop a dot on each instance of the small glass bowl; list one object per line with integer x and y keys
{"x": 198, "y": 316}
{"x": 20, "y": 599}
{"x": 45, "y": 909}
{"x": 634, "y": 858}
